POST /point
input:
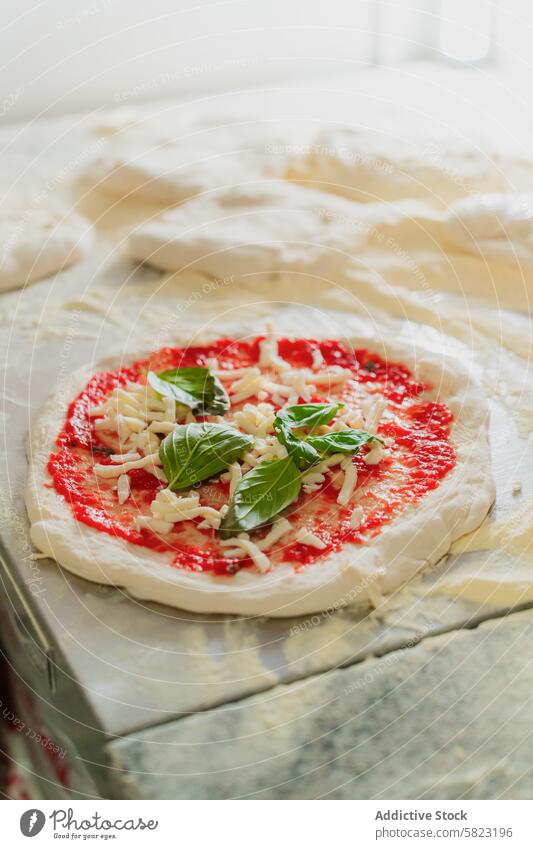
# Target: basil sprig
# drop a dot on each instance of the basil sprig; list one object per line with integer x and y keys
{"x": 195, "y": 387}
{"x": 302, "y": 417}
{"x": 195, "y": 452}
{"x": 271, "y": 486}
{"x": 262, "y": 493}
{"x": 302, "y": 454}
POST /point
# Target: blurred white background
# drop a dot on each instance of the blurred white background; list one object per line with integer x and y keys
{"x": 64, "y": 55}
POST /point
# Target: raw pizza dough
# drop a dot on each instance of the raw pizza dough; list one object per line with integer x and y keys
{"x": 276, "y": 226}
{"x": 494, "y": 225}
{"x": 171, "y": 170}
{"x": 37, "y": 241}
{"x": 417, "y": 538}
{"x": 369, "y": 166}
{"x": 261, "y": 227}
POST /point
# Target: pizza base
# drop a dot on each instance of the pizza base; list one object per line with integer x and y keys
{"x": 357, "y": 574}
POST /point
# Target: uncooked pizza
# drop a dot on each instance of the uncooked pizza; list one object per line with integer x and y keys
{"x": 261, "y": 475}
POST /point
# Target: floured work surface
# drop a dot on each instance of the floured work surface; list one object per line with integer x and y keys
{"x": 140, "y": 664}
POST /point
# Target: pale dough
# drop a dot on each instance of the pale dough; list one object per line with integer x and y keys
{"x": 494, "y": 225}
{"x": 265, "y": 226}
{"x": 37, "y": 240}
{"x": 368, "y": 167}
{"x": 356, "y": 574}
{"x": 170, "y": 170}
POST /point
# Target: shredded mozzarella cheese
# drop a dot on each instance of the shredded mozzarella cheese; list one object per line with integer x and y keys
{"x": 248, "y": 386}
{"x": 269, "y": 356}
{"x": 148, "y": 463}
{"x": 328, "y": 463}
{"x": 158, "y": 526}
{"x": 374, "y": 413}
{"x": 349, "y": 483}
{"x": 318, "y": 359}
{"x": 141, "y": 419}
{"x": 135, "y": 410}
{"x": 278, "y": 530}
{"x": 257, "y": 420}
{"x": 313, "y": 480}
{"x": 169, "y": 508}
{"x": 334, "y": 374}
{"x": 123, "y": 489}
{"x": 375, "y": 455}
{"x": 125, "y": 458}
{"x": 307, "y": 537}
{"x": 349, "y": 417}
{"x": 235, "y": 373}
{"x": 243, "y": 544}
{"x": 235, "y": 478}
{"x": 357, "y": 517}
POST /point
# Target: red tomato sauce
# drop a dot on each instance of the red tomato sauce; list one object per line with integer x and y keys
{"x": 420, "y": 457}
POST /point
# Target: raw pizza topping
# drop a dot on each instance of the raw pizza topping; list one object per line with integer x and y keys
{"x": 249, "y": 454}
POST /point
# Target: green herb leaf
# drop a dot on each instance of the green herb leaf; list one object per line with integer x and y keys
{"x": 309, "y": 416}
{"x": 196, "y": 387}
{"x": 263, "y": 492}
{"x": 303, "y": 455}
{"x": 194, "y": 452}
{"x": 341, "y": 442}
{"x": 300, "y": 417}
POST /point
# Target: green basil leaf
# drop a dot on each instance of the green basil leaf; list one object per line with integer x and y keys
{"x": 303, "y": 455}
{"x": 309, "y": 416}
{"x": 341, "y": 442}
{"x": 299, "y": 417}
{"x": 194, "y": 452}
{"x": 196, "y": 387}
{"x": 263, "y": 492}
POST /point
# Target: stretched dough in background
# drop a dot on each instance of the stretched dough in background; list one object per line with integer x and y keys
{"x": 370, "y": 166}
{"x": 494, "y": 225}
{"x": 274, "y": 226}
{"x": 39, "y": 240}
{"x": 177, "y": 165}
{"x": 265, "y": 226}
